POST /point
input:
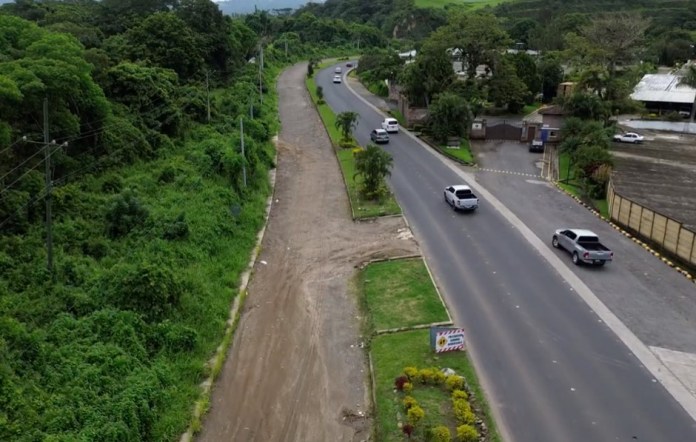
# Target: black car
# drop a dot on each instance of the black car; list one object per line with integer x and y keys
{"x": 379, "y": 136}
{"x": 536, "y": 146}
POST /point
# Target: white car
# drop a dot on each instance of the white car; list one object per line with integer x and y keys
{"x": 337, "y": 70}
{"x": 629, "y": 137}
{"x": 460, "y": 197}
{"x": 337, "y": 79}
{"x": 390, "y": 125}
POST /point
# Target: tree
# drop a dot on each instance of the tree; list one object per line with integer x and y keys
{"x": 449, "y": 115}
{"x": 373, "y": 165}
{"x": 587, "y": 106}
{"x": 505, "y": 88}
{"x": 346, "y": 122}
{"x": 429, "y": 75}
{"x": 551, "y": 74}
{"x": 526, "y": 69}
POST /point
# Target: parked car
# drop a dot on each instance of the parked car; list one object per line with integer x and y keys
{"x": 379, "y": 136}
{"x": 349, "y": 65}
{"x": 629, "y": 137}
{"x": 337, "y": 79}
{"x": 337, "y": 70}
{"x": 390, "y": 125}
{"x": 583, "y": 246}
{"x": 536, "y": 146}
{"x": 460, "y": 197}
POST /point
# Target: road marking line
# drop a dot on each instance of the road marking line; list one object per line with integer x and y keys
{"x": 651, "y": 362}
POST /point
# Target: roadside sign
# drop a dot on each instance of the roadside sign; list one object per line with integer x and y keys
{"x": 444, "y": 339}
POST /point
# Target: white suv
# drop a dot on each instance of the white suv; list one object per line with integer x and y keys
{"x": 390, "y": 125}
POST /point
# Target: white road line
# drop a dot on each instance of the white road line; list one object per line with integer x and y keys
{"x": 658, "y": 369}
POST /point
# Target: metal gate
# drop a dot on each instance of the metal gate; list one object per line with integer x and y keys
{"x": 503, "y": 131}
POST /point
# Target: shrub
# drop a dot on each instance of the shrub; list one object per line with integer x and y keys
{"x": 409, "y": 401}
{"x": 320, "y": 93}
{"x": 124, "y": 215}
{"x": 97, "y": 248}
{"x": 411, "y": 372}
{"x": 349, "y": 144}
{"x": 150, "y": 289}
{"x": 399, "y": 382}
{"x": 673, "y": 116}
{"x": 460, "y": 394}
{"x": 415, "y": 414}
{"x": 426, "y": 375}
{"x": 454, "y": 382}
{"x": 408, "y": 387}
{"x": 438, "y": 376}
{"x": 167, "y": 175}
{"x": 467, "y": 433}
{"x": 177, "y": 229}
{"x": 440, "y": 434}
{"x": 173, "y": 337}
{"x": 462, "y": 411}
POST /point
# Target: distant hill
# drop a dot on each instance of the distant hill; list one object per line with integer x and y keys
{"x": 247, "y": 6}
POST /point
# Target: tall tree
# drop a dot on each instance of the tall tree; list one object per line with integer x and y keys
{"x": 373, "y": 165}
{"x": 449, "y": 115}
{"x": 346, "y": 122}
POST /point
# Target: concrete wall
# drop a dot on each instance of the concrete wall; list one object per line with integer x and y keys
{"x": 669, "y": 235}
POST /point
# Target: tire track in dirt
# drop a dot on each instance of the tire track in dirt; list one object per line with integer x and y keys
{"x": 295, "y": 369}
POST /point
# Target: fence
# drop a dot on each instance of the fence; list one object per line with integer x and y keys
{"x": 669, "y": 235}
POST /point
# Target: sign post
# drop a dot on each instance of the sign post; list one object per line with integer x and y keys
{"x": 444, "y": 339}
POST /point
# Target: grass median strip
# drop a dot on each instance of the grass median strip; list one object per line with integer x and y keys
{"x": 400, "y": 293}
{"x": 362, "y": 208}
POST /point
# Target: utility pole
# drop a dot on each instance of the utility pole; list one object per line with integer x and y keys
{"x": 241, "y": 130}
{"x": 261, "y": 74}
{"x": 47, "y": 160}
{"x": 251, "y": 107}
{"x": 207, "y": 93}
{"x": 285, "y": 37}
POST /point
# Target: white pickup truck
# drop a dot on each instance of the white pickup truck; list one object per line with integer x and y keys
{"x": 583, "y": 245}
{"x": 460, "y": 197}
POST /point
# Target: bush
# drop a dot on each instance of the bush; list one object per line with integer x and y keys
{"x": 408, "y": 387}
{"x": 167, "y": 175}
{"x": 440, "y": 434}
{"x": 150, "y": 289}
{"x": 399, "y": 382}
{"x": 411, "y": 373}
{"x": 349, "y": 144}
{"x": 426, "y": 375}
{"x": 673, "y": 116}
{"x": 454, "y": 382}
{"x": 438, "y": 376}
{"x": 415, "y": 414}
{"x": 177, "y": 229}
{"x": 409, "y": 401}
{"x": 97, "y": 248}
{"x": 460, "y": 394}
{"x": 173, "y": 337}
{"x": 124, "y": 215}
{"x": 462, "y": 411}
{"x": 467, "y": 433}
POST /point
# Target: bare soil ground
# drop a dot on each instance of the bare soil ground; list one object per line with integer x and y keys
{"x": 296, "y": 370}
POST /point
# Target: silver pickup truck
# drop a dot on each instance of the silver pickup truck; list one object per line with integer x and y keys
{"x": 583, "y": 245}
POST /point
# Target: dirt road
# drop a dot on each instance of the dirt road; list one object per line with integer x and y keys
{"x": 296, "y": 370}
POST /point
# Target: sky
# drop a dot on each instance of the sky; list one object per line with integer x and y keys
{"x": 245, "y": 6}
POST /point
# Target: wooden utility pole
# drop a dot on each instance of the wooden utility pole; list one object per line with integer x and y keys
{"x": 207, "y": 93}
{"x": 241, "y": 130}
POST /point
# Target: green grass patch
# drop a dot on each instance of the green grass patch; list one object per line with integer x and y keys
{"x": 569, "y": 183}
{"x": 473, "y": 4}
{"x": 362, "y": 208}
{"x": 463, "y": 153}
{"x": 602, "y": 206}
{"x": 400, "y": 293}
{"x": 529, "y": 108}
{"x": 390, "y": 355}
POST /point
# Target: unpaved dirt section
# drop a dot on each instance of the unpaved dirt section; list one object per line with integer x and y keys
{"x": 296, "y": 370}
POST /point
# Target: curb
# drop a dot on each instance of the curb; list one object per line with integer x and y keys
{"x": 216, "y": 362}
{"x": 628, "y": 235}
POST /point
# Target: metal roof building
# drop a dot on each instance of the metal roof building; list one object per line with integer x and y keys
{"x": 654, "y": 89}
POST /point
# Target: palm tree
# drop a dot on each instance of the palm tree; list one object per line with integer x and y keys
{"x": 689, "y": 79}
{"x": 346, "y": 122}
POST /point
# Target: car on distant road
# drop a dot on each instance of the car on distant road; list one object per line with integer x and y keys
{"x": 536, "y": 146}
{"x": 337, "y": 70}
{"x": 349, "y": 65}
{"x": 390, "y": 125}
{"x": 337, "y": 79}
{"x": 460, "y": 197}
{"x": 379, "y": 136}
{"x": 583, "y": 246}
{"x": 629, "y": 137}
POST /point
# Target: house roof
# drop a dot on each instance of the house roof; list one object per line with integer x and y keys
{"x": 663, "y": 88}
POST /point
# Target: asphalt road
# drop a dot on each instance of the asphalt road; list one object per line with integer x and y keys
{"x": 553, "y": 371}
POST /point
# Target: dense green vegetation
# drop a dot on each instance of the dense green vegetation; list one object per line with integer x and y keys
{"x": 155, "y": 210}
